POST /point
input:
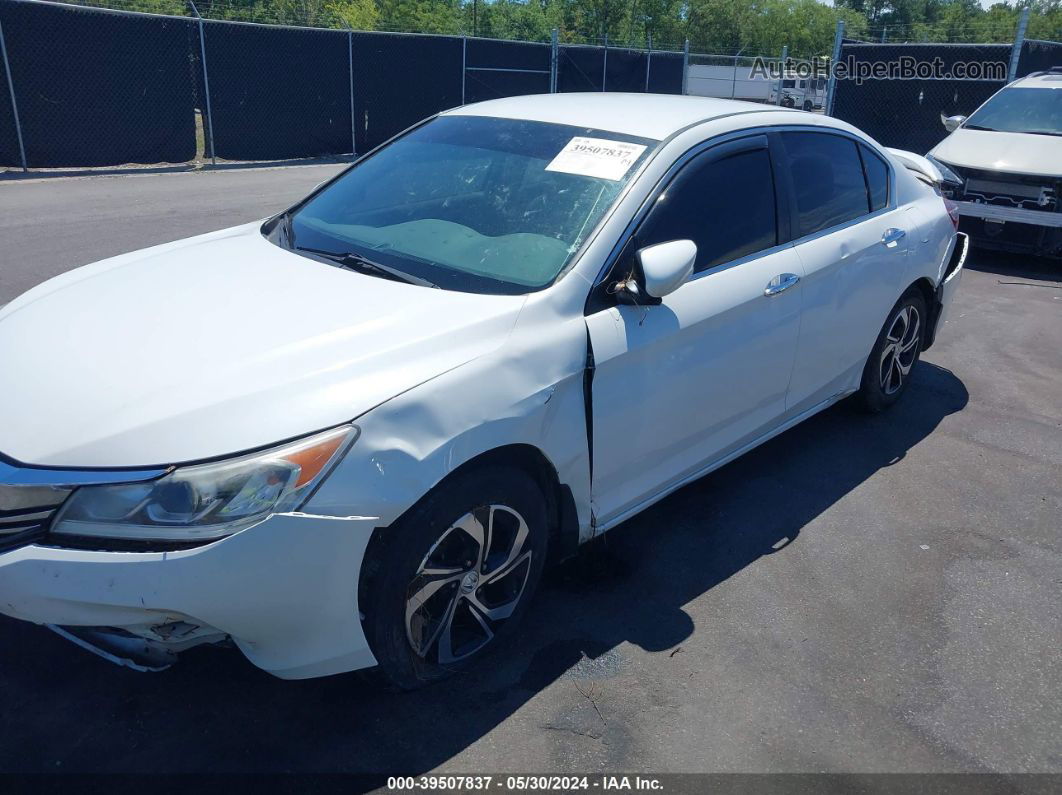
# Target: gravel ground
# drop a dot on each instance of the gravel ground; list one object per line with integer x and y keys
{"x": 860, "y": 594}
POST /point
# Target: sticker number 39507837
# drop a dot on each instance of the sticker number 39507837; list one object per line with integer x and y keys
{"x": 596, "y": 157}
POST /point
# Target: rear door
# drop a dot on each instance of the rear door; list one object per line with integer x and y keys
{"x": 852, "y": 242}
{"x": 679, "y": 384}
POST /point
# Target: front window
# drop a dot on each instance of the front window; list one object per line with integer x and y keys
{"x": 474, "y": 204}
{"x": 1021, "y": 110}
{"x": 789, "y": 84}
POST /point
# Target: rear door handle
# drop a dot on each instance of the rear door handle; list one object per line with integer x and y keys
{"x": 783, "y": 281}
{"x": 893, "y": 236}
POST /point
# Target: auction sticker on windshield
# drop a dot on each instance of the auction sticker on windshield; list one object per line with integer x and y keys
{"x": 596, "y": 157}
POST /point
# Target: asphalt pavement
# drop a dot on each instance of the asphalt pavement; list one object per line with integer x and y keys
{"x": 871, "y": 594}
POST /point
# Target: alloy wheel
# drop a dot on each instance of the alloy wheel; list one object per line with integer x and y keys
{"x": 470, "y": 582}
{"x": 900, "y": 349}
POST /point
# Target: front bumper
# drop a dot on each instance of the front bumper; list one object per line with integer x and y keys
{"x": 1019, "y": 215}
{"x": 285, "y": 591}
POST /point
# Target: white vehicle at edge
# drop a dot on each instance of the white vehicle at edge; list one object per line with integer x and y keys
{"x": 351, "y": 435}
{"x": 1003, "y": 166}
{"x": 805, "y": 93}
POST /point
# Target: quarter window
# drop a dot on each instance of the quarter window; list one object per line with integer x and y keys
{"x": 877, "y": 178}
{"x": 828, "y": 182}
{"x": 726, "y": 207}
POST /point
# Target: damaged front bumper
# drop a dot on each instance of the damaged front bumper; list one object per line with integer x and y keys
{"x": 1018, "y": 215}
{"x": 284, "y": 591}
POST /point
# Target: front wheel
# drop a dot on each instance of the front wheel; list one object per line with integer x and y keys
{"x": 887, "y": 373}
{"x": 453, "y": 577}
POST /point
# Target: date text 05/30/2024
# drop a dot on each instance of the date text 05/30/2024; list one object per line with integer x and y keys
{"x": 518, "y": 783}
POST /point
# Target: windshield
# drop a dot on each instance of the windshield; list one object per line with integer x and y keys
{"x": 473, "y": 204}
{"x": 1021, "y": 110}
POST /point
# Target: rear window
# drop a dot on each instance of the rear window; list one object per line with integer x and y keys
{"x": 828, "y": 180}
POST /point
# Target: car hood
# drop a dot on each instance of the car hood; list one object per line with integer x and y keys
{"x": 216, "y": 345}
{"x": 1014, "y": 153}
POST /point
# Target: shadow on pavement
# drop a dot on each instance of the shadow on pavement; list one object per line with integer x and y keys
{"x": 1014, "y": 266}
{"x": 68, "y": 711}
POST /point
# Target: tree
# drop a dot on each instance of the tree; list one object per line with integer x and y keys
{"x": 354, "y": 14}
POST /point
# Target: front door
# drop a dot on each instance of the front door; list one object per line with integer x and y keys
{"x": 680, "y": 384}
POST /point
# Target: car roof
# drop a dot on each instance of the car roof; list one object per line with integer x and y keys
{"x": 653, "y": 116}
{"x": 1039, "y": 80}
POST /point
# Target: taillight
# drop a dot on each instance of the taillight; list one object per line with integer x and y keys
{"x": 953, "y": 211}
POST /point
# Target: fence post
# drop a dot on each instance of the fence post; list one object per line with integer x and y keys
{"x": 685, "y": 66}
{"x": 553, "y": 62}
{"x": 604, "y": 66}
{"x": 464, "y": 69}
{"x": 350, "y": 65}
{"x": 781, "y": 74}
{"x": 831, "y": 87}
{"x": 206, "y": 85}
{"x": 648, "y": 61}
{"x": 733, "y": 78}
{"x": 1015, "y": 51}
{"x": 14, "y": 104}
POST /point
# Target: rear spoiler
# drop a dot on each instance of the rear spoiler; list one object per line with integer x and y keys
{"x": 919, "y": 166}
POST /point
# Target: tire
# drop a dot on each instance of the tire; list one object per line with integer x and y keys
{"x": 807, "y": 104}
{"x": 433, "y": 604}
{"x": 887, "y": 373}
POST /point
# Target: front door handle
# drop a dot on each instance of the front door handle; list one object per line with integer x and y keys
{"x": 892, "y": 236}
{"x": 783, "y": 281}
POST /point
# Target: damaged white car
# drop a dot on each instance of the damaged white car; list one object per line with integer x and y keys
{"x": 1003, "y": 166}
{"x": 353, "y": 435}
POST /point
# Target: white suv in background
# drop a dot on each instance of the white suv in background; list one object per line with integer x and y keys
{"x": 1003, "y": 166}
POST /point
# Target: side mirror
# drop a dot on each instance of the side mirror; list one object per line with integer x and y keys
{"x": 666, "y": 266}
{"x": 951, "y": 123}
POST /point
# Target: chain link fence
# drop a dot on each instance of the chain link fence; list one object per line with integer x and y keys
{"x": 85, "y": 86}
{"x": 903, "y": 109}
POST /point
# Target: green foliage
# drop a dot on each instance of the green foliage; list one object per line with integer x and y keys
{"x": 754, "y": 27}
{"x": 765, "y": 26}
{"x": 354, "y": 14}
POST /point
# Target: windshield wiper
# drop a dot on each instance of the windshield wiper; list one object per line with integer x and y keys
{"x": 362, "y": 264}
{"x": 979, "y": 127}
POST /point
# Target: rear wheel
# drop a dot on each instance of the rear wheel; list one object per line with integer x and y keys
{"x": 807, "y": 104}
{"x": 452, "y": 579}
{"x": 888, "y": 369}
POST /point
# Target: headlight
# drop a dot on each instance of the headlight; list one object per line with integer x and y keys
{"x": 206, "y": 501}
{"x": 951, "y": 179}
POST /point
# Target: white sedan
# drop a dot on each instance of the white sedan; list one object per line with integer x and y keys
{"x": 352, "y": 435}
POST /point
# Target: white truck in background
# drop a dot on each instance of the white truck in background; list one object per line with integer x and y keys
{"x": 807, "y": 93}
